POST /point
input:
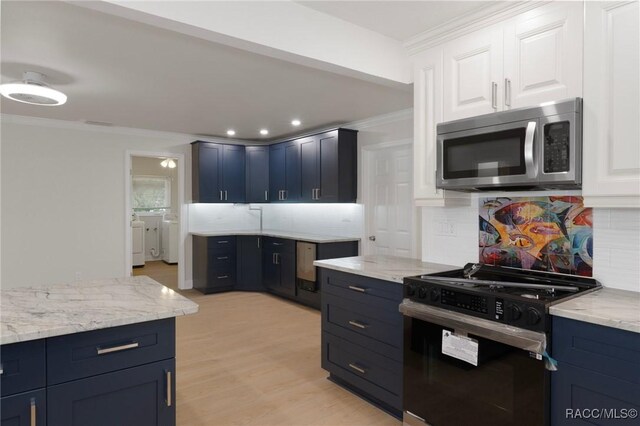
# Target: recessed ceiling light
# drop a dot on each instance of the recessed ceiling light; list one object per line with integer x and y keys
{"x": 33, "y": 90}
{"x": 231, "y": 132}
{"x": 295, "y": 122}
{"x": 264, "y": 132}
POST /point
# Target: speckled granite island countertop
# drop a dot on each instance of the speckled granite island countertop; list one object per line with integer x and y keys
{"x": 608, "y": 307}
{"x": 388, "y": 268}
{"x": 53, "y": 310}
{"x": 312, "y": 238}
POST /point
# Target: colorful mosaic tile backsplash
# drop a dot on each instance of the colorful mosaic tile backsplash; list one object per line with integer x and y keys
{"x": 543, "y": 233}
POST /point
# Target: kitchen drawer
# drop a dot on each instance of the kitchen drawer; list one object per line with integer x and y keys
{"x": 223, "y": 277}
{"x": 375, "y": 375}
{"x": 24, "y": 409}
{"x": 86, "y": 354}
{"x": 222, "y": 244}
{"x": 360, "y": 288}
{"x": 280, "y": 245}
{"x": 597, "y": 348}
{"x": 23, "y": 366}
{"x": 222, "y": 260}
{"x": 138, "y": 396}
{"x": 380, "y": 325}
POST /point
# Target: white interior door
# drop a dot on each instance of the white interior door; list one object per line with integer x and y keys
{"x": 390, "y": 214}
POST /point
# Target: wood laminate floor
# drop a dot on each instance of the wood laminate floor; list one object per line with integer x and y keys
{"x": 254, "y": 359}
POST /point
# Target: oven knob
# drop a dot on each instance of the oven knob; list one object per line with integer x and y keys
{"x": 435, "y": 295}
{"x": 422, "y": 292}
{"x": 516, "y": 313}
{"x": 533, "y": 316}
{"x": 411, "y": 289}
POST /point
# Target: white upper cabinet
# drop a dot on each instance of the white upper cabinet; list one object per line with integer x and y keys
{"x": 543, "y": 55}
{"x": 611, "y": 176}
{"x": 472, "y": 73}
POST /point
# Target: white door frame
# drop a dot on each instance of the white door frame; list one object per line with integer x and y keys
{"x": 182, "y": 216}
{"x": 367, "y": 196}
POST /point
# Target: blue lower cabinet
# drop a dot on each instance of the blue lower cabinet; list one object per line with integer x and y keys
{"x": 23, "y": 367}
{"x": 598, "y": 376}
{"x": 24, "y": 409}
{"x": 139, "y": 396}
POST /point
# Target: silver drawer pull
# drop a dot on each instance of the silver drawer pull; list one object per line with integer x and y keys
{"x": 221, "y": 277}
{"x": 32, "y": 412}
{"x": 223, "y": 242}
{"x": 223, "y": 257}
{"x": 358, "y": 324}
{"x": 355, "y": 288}
{"x": 102, "y": 351}
{"x": 169, "y": 391}
{"x": 358, "y": 369}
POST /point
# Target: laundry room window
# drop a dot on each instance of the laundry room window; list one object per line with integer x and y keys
{"x": 151, "y": 193}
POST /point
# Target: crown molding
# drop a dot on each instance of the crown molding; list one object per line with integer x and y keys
{"x": 468, "y": 23}
{"x": 379, "y": 120}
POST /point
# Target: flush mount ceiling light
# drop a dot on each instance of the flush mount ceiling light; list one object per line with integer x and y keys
{"x": 33, "y": 90}
{"x": 295, "y": 123}
{"x": 168, "y": 162}
{"x": 264, "y": 132}
{"x": 231, "y": 132}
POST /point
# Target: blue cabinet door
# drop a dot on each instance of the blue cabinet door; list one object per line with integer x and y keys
{"x": 233, "y": 173}
{"x": 139, "y": 396}
{"x": 24, "y": 409}
{"x": 277, "y": 174}
{"x": 329, "y": 167}
{"x": 207, "y": 172}
{"x": 23, "y": 367}
{"x": 270, "y": 268}
{"x": 309, "y": 169}
{"x": 249, "y": 263}
{"x": 292, "y": 171}
{"x": 257, "y": 174}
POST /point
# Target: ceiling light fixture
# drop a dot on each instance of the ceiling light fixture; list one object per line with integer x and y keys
{"x": 295, "y": 122}
{"x": 231, "y": 132}
{"x": 168, "y": 162}
{"x": 264, "y": 132}
{"x": 33, "y": 90}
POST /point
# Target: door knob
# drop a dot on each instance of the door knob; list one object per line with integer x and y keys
{"x": 372, "y": 238}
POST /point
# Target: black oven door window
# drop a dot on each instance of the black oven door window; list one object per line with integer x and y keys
{"x": 508, "y": 387}
{"x": 491, "y": 154}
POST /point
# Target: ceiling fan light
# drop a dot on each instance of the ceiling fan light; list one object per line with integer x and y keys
{"x": 32, "y": 90}
{"x": 172, "y": 164}
{"x": 165, "y": 162}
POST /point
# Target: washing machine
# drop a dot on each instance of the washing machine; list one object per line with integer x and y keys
{"x": 137, "y": 243}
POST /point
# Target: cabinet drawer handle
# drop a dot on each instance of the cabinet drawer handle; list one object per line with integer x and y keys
{"x": 103, "y": 351}
{"x": 358, "y": 324}
{"x": 223, "y": 242}
{"x": 32, "y": 412}
{"x": 358, "y": 369}
{"x": 277, "y": 244}
{"x": 168, "y": 378}
{"x": 222, "y": 277}
{"x": 222, "y": 257}
{"x": 359, "y": 289}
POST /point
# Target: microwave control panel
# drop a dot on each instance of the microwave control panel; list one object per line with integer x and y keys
{"x": 556, "y": 147}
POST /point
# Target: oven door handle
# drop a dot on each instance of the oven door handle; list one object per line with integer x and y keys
{"x": 527, "y": 340}
{"x": 529, "y": 151}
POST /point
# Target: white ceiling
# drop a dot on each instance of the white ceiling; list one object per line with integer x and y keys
{"x": 397, "y": 19}
{"x": 135, "y": 75}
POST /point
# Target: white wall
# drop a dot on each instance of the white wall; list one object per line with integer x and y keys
{"x": 63, "y": 198}
{"x": 616, "y": 241}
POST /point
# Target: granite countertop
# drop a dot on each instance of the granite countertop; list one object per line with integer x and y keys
{"x": 53, "y": 310}
{"x": 608, "y": 307}
{"x": 312, "y": 238}
{"x": 388, "y": 268}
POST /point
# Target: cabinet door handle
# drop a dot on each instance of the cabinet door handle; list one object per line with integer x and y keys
{"x": 259, "y": 239}
{"x": 358, "y": 289}
{"x": 277, "y": 258}
{"x": 169, "y": 390}
{"x": 225, "y": 195}
{"x": 266, "y": 195}
{"x": 494, "y": 95}
{"x": 221, "y": 195}
{"x": 358, "y": 369}
{"x": 104, "y": 351}
{"x": 222, "y": 277}
{"x": 273, "y": 258}
{"x": 358, "y": 324}
{"x": 317, "y": 193}
{"x": 507, "y": 92}
{"x": 32, "y": 412}
{"x": 313, "y": 194}
{"x": 285, "y": 194}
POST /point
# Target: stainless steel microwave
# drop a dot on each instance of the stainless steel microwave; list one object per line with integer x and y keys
{"x": 527, "y": 148}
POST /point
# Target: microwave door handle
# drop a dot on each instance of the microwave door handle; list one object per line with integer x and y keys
{"x": 529, "y": 145}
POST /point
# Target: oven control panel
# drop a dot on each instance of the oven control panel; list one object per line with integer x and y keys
{"x": 466, "y": 301}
